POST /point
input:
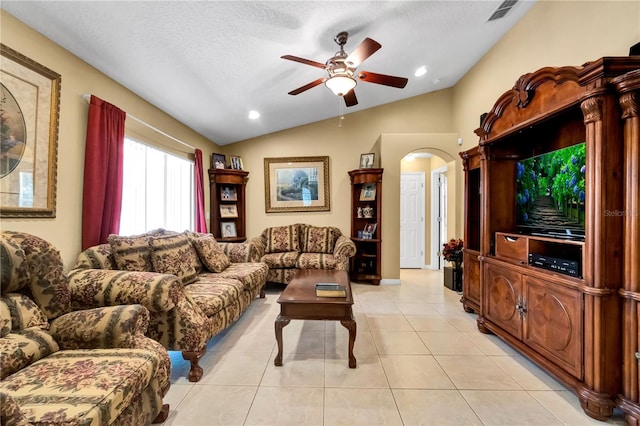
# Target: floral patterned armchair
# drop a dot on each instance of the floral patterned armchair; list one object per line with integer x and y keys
{"x": 65, "y": 367}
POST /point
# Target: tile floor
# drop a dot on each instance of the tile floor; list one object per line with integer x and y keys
{"x": 421, "y": 361}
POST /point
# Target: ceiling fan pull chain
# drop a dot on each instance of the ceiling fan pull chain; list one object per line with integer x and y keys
{"x": 341, "y": 112}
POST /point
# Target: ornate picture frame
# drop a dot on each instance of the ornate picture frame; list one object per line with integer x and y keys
{"x": 296, "y": 184}
{"x": 29, "y": 111}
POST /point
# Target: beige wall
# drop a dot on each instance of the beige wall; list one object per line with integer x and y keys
{"x": 553, "y": 33}
{"x": 78, "y": 78}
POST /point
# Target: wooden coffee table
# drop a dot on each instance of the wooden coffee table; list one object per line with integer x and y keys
{"x": 299, "y": 301}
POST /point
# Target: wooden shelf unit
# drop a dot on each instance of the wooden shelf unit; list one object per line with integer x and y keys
{"x": 366, "y": 265}
{"x": 235, "y": 180}
{"x": 570, "y": 325}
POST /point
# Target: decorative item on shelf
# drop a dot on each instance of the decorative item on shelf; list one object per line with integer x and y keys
{"x": 229, "y": 193}
{"x": 368, "y": 192}
{"x": 228, "y": 229}
{"x": 368, "y": 212}
{"x": 366, "y": 160}
{"x": 369, "y": 230}
{"x": 218, "y": 161}
{"x": 236, "y": 162}
{"x": 360, "y": 214}
{"x": 228, "y": 210}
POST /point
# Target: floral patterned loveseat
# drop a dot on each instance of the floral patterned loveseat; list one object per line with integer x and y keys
{"x": 193, "y": 286}
{"x": 287, "y": 249}
{"x": 65, "y": 367}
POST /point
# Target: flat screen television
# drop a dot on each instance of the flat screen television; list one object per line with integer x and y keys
{"x": 550, "y": 193}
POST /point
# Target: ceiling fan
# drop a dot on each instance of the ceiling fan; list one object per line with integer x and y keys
{"x": 342, "y": 69}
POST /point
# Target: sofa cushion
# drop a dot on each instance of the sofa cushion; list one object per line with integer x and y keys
{"x": 211, "y": 253}
{"x": 251, "y": 275}
{"x": 24, "y": 347}
{"x": 131, "y": 253}
{"x": 319, "y": 239}
{"x": 174, "y": 254}
{"x": 14, "y": 274}
{"x": 279, "y": 239}
{"x": 281, "y": 260}
{"x": 213, "y": 294}
{"x": 104, "y": 382}
{"x": 316, "y": 261}
{"x": 24, "y": 312}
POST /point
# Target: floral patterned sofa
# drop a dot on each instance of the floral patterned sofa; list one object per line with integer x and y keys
{"x": 287, "y": 249}
{"x": 65, "y": 367}
{"x": 193, "y": 286}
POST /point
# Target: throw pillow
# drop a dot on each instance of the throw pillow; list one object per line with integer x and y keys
{"x": 282, "y": 239}
{"x": 174, "y": 255}
{"x": 131, "y": 253}
{"x": 320, "y": 239}
{"x": 211, "y": 253}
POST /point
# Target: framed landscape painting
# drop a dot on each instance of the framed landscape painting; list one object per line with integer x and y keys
{"x": 29, "y": 110}
{"x": 296, "y": 184}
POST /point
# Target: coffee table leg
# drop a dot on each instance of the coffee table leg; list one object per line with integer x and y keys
{"x": 280, "y": 323}
{"x": 351, "y": 326}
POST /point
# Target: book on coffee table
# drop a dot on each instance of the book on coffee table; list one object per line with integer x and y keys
{"x": 330, "y": 290}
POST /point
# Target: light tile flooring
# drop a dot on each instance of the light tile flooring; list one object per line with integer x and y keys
{"x": 421, "y": 361}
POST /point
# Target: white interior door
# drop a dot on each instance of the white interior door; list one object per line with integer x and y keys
{"x": 438, "y": 215}
{"x": 411, "y": 220}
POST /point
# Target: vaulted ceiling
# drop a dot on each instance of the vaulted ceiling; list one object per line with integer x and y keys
{"x": 209, "y": 63}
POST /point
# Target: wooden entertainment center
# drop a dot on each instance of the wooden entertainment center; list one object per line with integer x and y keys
{"x": 567, "y": 302}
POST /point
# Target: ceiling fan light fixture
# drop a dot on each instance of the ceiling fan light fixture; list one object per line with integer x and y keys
{"x": 340, "y": 85}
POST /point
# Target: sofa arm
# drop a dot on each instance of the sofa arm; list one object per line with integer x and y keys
{"x": 342, "y": 251}
{"x": 247, "y": 252}
{"x": 100, "y": 328}
{"x": 93, "y": 288}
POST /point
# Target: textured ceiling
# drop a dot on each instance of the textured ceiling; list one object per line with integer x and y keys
{"x": 208, "y": 63}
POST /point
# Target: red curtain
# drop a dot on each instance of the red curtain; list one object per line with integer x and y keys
{"x": 102, "y": 191}
{"x": 201, "y": 220}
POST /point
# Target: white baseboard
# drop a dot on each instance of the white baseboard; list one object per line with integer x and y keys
{"x": 388, "y": 281}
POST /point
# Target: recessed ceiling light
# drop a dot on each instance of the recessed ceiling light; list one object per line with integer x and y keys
{"x": 421, "y": 71}
{"x": 254, "y": 115}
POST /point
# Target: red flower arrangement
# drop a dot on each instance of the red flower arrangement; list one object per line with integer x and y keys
{"x": 452, "y": 251}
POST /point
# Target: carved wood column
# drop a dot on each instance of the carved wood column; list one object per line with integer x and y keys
{"x": 603, "y": 253}
{"x": 629, "y": 401}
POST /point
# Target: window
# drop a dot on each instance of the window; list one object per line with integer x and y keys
{"x": 157, "y": 190}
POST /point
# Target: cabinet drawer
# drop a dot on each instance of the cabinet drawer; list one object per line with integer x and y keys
{"x": 512, "y": 246}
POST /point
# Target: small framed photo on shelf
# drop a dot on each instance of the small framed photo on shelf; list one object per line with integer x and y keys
{"x": 368, "y": 192}
{"x": 218, "y": 161}
{"x": 236, "y": 162}
{"x": 367, "y": 160}
{"x": 228, "y": 210}
{"x": 228, "y": 229}
{"x": 229, "y": 193}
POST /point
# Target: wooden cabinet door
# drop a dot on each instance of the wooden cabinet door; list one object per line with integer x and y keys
{"x": 471, "y": 284}
{"x": 553, "y": 323}
{"x": 503, "y": 294}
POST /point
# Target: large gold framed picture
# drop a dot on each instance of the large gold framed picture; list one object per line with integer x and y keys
{"x": 296, "y": 184}
{"x": 29, "y": 110}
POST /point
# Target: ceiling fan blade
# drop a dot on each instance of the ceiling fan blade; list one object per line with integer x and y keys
{"x": 387, "y": 80}
{"x": 307, "y": 86}
{"x": 350, "y": 98}
{"x": 304, "y": 61}
{"x": 367, "y": 48}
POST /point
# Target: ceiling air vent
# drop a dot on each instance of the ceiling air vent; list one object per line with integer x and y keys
{"x": 502, "y": 9}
